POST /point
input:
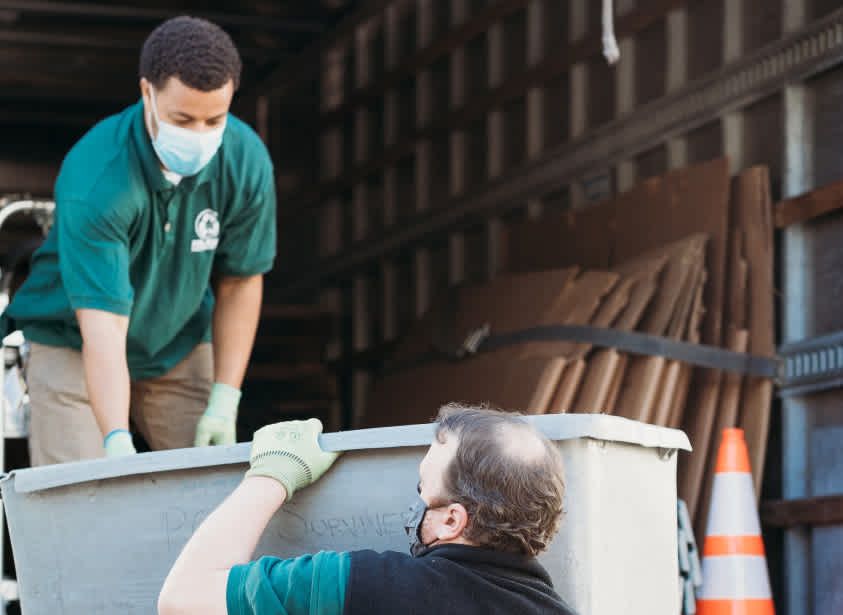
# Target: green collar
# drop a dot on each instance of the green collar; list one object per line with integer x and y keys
{"x": 151, "y": 166}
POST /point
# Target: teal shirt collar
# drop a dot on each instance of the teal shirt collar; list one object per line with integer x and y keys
{"x": 150, "y": 164}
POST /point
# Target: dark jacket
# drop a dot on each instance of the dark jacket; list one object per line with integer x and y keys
{"x": 449, "y": 579}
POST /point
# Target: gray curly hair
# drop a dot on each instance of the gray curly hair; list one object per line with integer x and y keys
{"x": 507, "y": 475}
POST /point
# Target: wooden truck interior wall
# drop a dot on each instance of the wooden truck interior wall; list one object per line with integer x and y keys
{"x": 443, "y": 122}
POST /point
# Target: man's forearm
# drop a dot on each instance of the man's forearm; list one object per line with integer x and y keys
{"x": 236, "y": 313}
{"x": 106, "y": 369}
{"x": 228, "y": 537}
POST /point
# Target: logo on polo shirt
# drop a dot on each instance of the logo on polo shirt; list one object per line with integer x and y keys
{"x": 207, "y": 228}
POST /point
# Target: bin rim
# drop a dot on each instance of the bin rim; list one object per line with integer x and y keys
{"x": 555, "y": 426}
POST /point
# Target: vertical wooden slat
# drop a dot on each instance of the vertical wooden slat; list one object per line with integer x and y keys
{"x": 535, "y": 136}
{"x": 331, "y": 148}
{"x": 627, "y": 173}
{"x": 577, "y": 28}
{"x": 677, "y": 49}
{"x": 733, "y": 127}
{"x": 423, "y": 290}
{"x": 424, "y": 23}
{"x": 262, "y": 118}
{"x": 330, "y": 300}
{"x": 456, "y": 241}
{"x": 536, "y": 33}
{"x": 360, "y": 222}
{"x": 389, "y": 320}
{"x": 677, "y": 77}
{"x": 733, "y": 122}
{"x": 495, "y": 144}
{"x": 677, "y": 153}
{"x": 625, "y": 94}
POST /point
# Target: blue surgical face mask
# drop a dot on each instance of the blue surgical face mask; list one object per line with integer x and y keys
{"x": 184, "y": 151}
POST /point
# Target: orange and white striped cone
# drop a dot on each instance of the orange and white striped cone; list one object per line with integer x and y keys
{"x": 734, "y": 567}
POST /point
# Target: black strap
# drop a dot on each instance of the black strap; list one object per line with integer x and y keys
{"x": 699, "y": 355}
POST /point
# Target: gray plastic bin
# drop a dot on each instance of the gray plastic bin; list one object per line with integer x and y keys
{"x": 99, "y": 536}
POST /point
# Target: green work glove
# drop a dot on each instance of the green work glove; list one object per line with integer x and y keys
{"x": 289, "y": 452}
{"x": 119, "y": 443}
{"x": 218, "y": 424}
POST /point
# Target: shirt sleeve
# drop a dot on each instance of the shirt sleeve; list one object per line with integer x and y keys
{"x": 306, "y": 585}
{"x": 247, "y": 240}
{"x": 93, "y": 251}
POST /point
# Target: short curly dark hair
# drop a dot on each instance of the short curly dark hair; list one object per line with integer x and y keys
{"x": 507, "y": 475}
{"x": 198, "y": 52}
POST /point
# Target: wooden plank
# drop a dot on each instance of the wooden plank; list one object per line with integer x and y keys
{"x": 810, "y": 205}
{"x": 568, "y": 386}
{"x": 514, "y": 378}
{"x": 640, "y": 390}
{"x": 686, "y": 201}
{"x": 685, "y": 261}
{"x": 697, "y": 313}
{"x": 727, "y": 416}
{"x": 642, "y": 293}
{"x": 601, "y": 370}
{"x": 575, "y": 308}
{"x": 667, "y": 391}
{"x": 698, "y": 423}
{"x": 680, "y": 395}
{"x": 501, "y": 378}
{"x": 610, "y": 309}
{"x": 561, "y": 239}
{"x": 582, "y": 306}
{"x": 739, "y": 273}
{"x": 682, "y": 318}
{"x": 597, "y": 383}
{"x": 744, "y": 192}
{"x": 500, "y": 303}
{"x": 605, "y": 368}
{"x": 544, "y": 392}
{"x": 678, "y": 326}
{"x": 811, "y": 512}
{"x": 615, "y": 387}
{"x": 755, "y": 422}
{"x": 669, "y": 208}
{"x": 513, "y": 302}
{"x": 753, "y": 213}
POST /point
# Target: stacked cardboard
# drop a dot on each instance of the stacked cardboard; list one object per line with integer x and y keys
{"x": 687, "y": 256}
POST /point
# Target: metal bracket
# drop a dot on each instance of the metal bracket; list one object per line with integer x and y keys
{"x": 812, "y": 365}
{"x": 473, "y": 341}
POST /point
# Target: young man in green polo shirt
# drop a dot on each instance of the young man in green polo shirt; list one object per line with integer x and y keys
{"x": 118, "y": 306}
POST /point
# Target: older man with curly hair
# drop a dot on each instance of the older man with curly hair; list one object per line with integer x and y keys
{"x": 490, "y": 500}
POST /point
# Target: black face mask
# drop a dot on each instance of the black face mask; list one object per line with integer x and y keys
{"x": 413, "y": 528}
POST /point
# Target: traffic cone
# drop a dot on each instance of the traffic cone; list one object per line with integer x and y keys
{"x": 734, "y": 567}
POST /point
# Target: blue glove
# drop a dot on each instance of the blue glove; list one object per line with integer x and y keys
{"x": 218, "y": 424}
{"x": 119, "y": 444}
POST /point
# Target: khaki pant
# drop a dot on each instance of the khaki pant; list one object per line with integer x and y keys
{"x": 165, "y": 409}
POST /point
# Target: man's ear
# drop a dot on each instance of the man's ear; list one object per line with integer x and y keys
{"x": 455, "y": 522}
